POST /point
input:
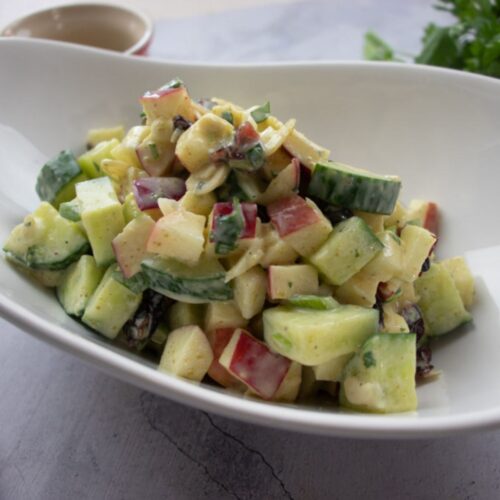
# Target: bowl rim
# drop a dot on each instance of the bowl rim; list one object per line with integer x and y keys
{"x": 287, "y": 417}
{"x": 139, "y": 46}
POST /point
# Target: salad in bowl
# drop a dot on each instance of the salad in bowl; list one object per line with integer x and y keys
{"x": 233, "y": 249}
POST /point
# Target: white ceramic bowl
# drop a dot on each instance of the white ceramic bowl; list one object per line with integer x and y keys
{"x": 437, "y": 129}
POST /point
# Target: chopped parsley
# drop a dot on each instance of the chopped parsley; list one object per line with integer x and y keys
{"x": 368, "y": 359}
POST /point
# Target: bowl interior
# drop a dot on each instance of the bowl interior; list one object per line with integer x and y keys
{"x": 97, "y": 25}
{"x": 437, "y": 129}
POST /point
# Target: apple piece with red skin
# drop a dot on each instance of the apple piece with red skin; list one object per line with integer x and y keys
{"x": 219, "y": 338}
{"x": 252, "y": 362}
{"x": 249, "y": 211}
{"x": 291, "y": 214}
{"x": 167, "y": 103}
{"x": 147, "y": 190}
{"x": 129, "y": 246}
{"x": 155, "y": 163}
{"x": 431, "y": 218}
{"x": 425, "y": 214}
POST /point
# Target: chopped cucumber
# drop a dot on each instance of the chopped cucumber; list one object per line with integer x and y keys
{"x": 312, "y": 337}
{"x": 353, "y": 188}
{"x": 78, "y": 284}
{"x": 90, "y": 162}
{"x": 102, "y": 216}
{"x": 464, "y": 281}
{"x": 350, "y": 246}
{"x": 203, "y": 282}
{"x": 440, "y": 301}
{"x": 57, "y": 178}
{"x": 71, "y": 210}
{"x": 111, "y": 306}
{"x": 137, "y": 283}
{"x": 312, "y": 302}
{"x": 380, "y": 378}
{"x": 45, "y": 240}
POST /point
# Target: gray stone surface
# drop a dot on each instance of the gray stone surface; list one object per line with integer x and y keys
{"x": 68, "y": 432}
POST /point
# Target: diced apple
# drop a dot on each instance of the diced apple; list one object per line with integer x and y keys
{"x": 425, "y": 214}
{"x": 218, "y": 340}
{"x": 360, "y": 289}
{"x": 291, "y": 214}
{"x": 331, "y": 371}
{"x": 285, "y": 184}
{"x": 393, "y": 322}
{"x": 179, "y": 235}
{"x": 398, "y": 217}
{"x": 184, "y": 314}
{"x": 126, "y": 150}
{"x": 276, "y": 163}
{"x": 205, "y": 136}
{"x": 374, "y": 221}
{"x": 300, "y": 223}
{"x": 290, "y": 386}
{"x": 250, "y": 258}
{"x": 298, "y": 279}
{"x": 276, "y": 249}
{"x": 187, "y": 353}
{"x": 417, "y": 243}
{"x": 250, "y": 291}
{"x": 156, "y": 152}
{"x": 200, "y": 204}
{"x": 223, "y": 315}
{"x": 148, "y": 190}
{"x": 167, "y": 103}
{"x": 130, "y": 245}
{"x": 388, "y": 263}
{"x": 252, "y": 362}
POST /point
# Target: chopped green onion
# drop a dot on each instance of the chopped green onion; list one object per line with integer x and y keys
{"x": 262, "y": 112}
{"x": 175, "y": 83}
{"x": 154, "y": 151}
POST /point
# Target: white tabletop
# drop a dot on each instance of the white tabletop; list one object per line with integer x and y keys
{"x": 67, "y": 431}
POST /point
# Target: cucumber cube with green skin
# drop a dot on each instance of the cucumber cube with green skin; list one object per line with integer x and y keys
{"x": 354, "y": 188}
{"x": 442, "y": 307}
{"x": 111, "y": 306}
{"x": 45, "y": 240}
{"x": 102, "y": 217}
{"x": 71, "y": 210}
{"x": 201, "y": 283}
{"x": 380, "y": 378}
{"x": 315, "y": 302}
{"x": 313, "y": 337}
{"x": 57, "y": 178}
{"x": 350, "y": 246}
{"x": 78, "y": 284}
{"x": 90, "y": 162}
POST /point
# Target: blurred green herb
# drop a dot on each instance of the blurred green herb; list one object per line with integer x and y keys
{"x": 472, "y": 43}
